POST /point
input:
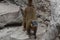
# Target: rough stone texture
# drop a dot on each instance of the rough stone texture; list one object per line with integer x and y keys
{"x": 12, "y": 16}
{"x": 9, "y": 13}
{"x": 17, "y": 33}
{"x": 44, "y": 32}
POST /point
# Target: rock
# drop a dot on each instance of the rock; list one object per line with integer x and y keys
{"x": 58, "y": 27}
{"x": 9, "y": 13}
{"x": 40, "y": 20}
{"x": 1, "y": 0}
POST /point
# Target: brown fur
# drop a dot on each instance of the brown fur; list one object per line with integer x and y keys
{"x": 29, "y": 15}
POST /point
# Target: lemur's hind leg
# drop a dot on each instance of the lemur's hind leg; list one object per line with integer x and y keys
{"x": 35, "y": 31}
{"x": 24, "y": 28}
{"x": 29, "y": 32}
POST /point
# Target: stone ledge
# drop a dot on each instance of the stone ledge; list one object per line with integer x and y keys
{"x": 9, "y": 13}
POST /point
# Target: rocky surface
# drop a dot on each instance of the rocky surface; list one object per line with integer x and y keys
{"x": 49, "y": 18}
{"x": 17, "y": 33}
{"x": 9, "y": 13}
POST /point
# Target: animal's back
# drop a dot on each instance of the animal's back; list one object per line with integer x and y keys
{"x": 30, "y": 13}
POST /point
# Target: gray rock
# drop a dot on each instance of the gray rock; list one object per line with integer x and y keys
{"x": 9, "y": 13}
